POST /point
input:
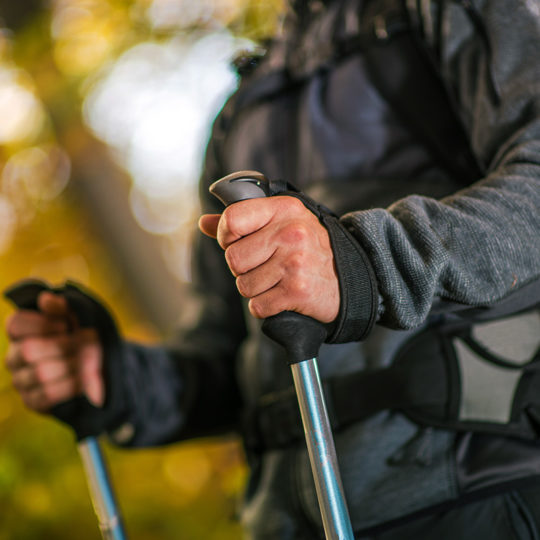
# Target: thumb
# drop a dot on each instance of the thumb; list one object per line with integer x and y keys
{"x": 208, "y": 224}
{"x": 95, "y": 392}
{"x": 53, "y": 304}
{"x": 91, "y": 367}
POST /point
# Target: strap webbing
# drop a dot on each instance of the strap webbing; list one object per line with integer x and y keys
{"x": 276, "y": 422}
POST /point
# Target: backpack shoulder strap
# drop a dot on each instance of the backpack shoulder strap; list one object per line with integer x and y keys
{"x": 403, "y": 66}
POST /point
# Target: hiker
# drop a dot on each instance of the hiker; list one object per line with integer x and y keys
{"x": 417, "y": 124}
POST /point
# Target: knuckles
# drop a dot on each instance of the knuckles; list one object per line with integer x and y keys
{"x": 290, "y": 204}
{"x": 300, "y": 289}
{"x": 295, "y": 264}
{"x": 295, "y": 233}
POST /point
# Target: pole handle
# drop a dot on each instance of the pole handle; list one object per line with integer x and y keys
{"x": 240, "y": 186}
{"x": 301, "y": 336}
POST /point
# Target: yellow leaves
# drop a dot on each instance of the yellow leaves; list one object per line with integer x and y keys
{"x": 188, "y": 471}
{"x": 86, "y": 34}
{"x": 47, "y": 231}
{"x": 6, "y": 406}
{"x": 32, "y": 176}
{"x": 9, "y": 473}
{"x": 259, "y": 19}
{"x": 34, "y": 498}
{"x": 255, "y": 19}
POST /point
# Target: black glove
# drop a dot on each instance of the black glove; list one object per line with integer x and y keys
{"x": 86, "y": 419}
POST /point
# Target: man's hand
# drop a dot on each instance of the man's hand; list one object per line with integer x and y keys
{"x": 51, "y": 360}
{"x": 280, "y": 255}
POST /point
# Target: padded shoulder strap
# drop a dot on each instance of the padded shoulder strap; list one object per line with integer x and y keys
{"x": 401, "y": 60}
{"x": 404, "y": 69}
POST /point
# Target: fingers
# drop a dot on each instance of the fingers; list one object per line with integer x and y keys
{"x": 42, "y": 384}
{"x": 281, "y": 223}
{"x": 28, "y": 377}
{"x": 33, "y": 350}
{"x": 90, "y": 363}
{"x": 245, "y": 217}
{"x": 51, "y": 360}
{"x": 252, "y": 251}
{"x": 259, "y": 280}
{"x": 54, "y": 317}
{"x": 42, "y": 398}
{"x": 53, "y": 304}
{"x": 23, "y": 324}
{"x": 305, "y": 285}
{"x": 48, "y": 370}
{"x": 281, "y": 257}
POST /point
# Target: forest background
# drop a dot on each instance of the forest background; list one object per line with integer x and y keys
{"x": 105, "y": 109}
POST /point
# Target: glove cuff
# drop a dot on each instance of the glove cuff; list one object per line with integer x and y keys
{"x": 357, "y": 285}
{"x": 86, "y": 419}
{"x": 357, "y": 281}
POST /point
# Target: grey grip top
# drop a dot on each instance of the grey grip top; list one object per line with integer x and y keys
{"x": 240, "y": 186}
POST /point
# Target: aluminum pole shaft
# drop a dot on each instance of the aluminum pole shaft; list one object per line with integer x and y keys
{"x": 103, "y": 499}
{"x": 285, "y": 328}
{"x": 321, "y": 450}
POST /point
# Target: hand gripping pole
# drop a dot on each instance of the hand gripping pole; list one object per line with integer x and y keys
{"x": 301, "y": 337}
{"x": 24, "y": 296}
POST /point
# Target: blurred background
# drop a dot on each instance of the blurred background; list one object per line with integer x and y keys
{"x": 105, "y": 109}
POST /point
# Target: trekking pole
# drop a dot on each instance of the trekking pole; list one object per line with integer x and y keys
{"x": 24, "y": 296}
{"x": 101, "y": 492}
{"x": 302, "y": 337}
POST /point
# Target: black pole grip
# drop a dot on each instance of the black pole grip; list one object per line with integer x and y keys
{"x": 301, "y": 336}
{"x": 24, "y": 295}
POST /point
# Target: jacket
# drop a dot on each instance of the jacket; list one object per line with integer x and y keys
{"x": 438, "y": 246}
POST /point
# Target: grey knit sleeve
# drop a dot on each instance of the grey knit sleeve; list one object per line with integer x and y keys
{"x": 483, "y": 242}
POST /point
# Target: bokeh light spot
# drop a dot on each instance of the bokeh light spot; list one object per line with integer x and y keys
{"x": 156, "y": 105}
{"x": 41, "y": 172}
{"x": 22, "y": 116}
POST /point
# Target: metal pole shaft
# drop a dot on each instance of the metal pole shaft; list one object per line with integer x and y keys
{"x": 321, "y": 450}
{"x": 103, "y": 499}
{"x": 245, "y": 185}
